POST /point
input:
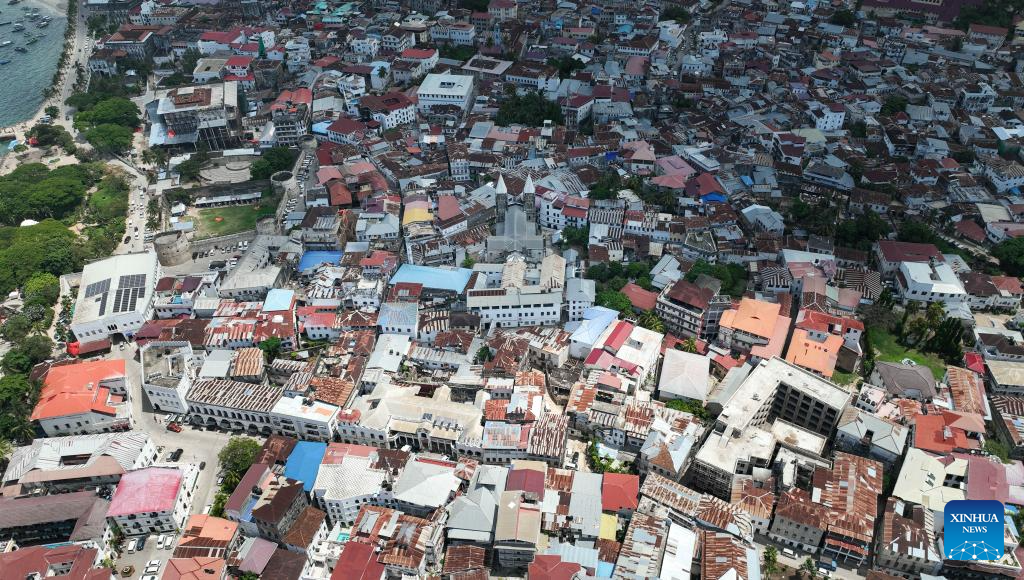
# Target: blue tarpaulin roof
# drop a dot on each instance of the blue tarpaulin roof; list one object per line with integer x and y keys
{"x": 304, "y": 462}
{"x": 313, "y": 259}
{"x": 278, "y": 299}
{"x": 454, "y": 280}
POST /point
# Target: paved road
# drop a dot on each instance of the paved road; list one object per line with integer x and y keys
{"x": 199, "y": 447}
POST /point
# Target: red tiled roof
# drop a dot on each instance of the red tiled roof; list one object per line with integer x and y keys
{"x": 73, "y": 389}
{"x": 153, "y": 489}
{"x": 552, "y": 568}
{"x": 894, "y": 251}
{"x": 619, "y": 491}
{"x": 640, "y": 298}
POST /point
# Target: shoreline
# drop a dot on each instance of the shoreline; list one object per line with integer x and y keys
{"x": 8, "y": 161}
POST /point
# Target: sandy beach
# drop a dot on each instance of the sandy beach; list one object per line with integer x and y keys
{"x": 11, "y": 160}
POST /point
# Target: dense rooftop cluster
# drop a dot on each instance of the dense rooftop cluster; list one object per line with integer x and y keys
{"x": 558, "y": 290}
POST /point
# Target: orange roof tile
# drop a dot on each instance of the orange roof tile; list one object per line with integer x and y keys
{"x": 76, "y": 388}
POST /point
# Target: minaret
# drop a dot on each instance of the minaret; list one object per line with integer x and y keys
{"x": 500, "y": 199}
{"x": 529, "y": 191}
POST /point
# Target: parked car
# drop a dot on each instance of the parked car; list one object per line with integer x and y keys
{"x": 156, "y": 563}
{"x": 132, "y": 547}
{"x": 172, "y": 426}
{"x": 176, "y": 454}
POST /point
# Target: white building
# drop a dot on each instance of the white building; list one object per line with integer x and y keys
{"x": 444, "y": 89}
{"x": 929, "y": 282}
{"x": 518, "y": 296}
{"x": 85, "y": 397}
{"x": 168, "y": 370}
{"x": 351, "y": 476}
{"x": 232, "y": 405}
{"x": 115, "y": 297}
{"x": 153, "y": 500}
{"x": 580, "y": 295}
{"x": 304, "y": 418}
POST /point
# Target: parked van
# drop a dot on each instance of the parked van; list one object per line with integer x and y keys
{"x": 133, "y": 545}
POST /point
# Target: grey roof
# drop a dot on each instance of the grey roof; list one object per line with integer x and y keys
{"x": 426, "y": 484}
{"x": 884, "y": 435}
{"x": 685, "y": 374}
{"x": 471, "y": 516}
{"x": 585, "y": 503}
{"x": 899, "y": 379}
{"x": 580, "y": 290}
{"x": 46, "y": 454}
{"x": 398, "y": 314}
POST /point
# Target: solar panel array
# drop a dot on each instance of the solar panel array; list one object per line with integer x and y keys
{"x": 130, "y": 289}
{"x": 97, "y": 288}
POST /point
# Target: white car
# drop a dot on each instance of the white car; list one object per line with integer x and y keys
{"x": 159, "y": 546}
{"x": 149, "y": 577}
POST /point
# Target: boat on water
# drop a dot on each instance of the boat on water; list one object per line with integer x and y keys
{"x": 20, "y": 49}
{"x": 13, "y": 2}
{"x": 5, "y": 61}
{"x": 43, "y": 24}
{"x": 18, "y": 27}
{"x": 32, "y": 40}
{"x": 7, "y": 43}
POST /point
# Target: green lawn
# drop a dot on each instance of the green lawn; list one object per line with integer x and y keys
{"x": 234, "y": 219}
{"x": 890, "y": 350}
{"x": 844, "y": 379}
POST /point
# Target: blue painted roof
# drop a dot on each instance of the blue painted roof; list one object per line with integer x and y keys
{"x": 278, "y": 299}
{"x": 454, "y": 280}
{"x": 595, "y": 320}
{"x": 311, "y": 260}
{"x": 321, "y": 127}
{"x": 304, "y": 462}
{"x": 746, "y": 180}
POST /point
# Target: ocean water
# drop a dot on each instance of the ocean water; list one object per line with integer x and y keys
{"x": 23, "y": 79}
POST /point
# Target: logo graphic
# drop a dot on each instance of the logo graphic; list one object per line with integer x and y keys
{"x": 973, "y": 530}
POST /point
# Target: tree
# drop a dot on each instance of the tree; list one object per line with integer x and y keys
{"x": 52, "y": 136}
{"x": 861, "y": 232}
{"x": 947, "y": 341}
{"x": 843, "y": 18}
{"x": 484, "y": 354}
{"x": 271, "y": 161}
{"x": 237, "y": 456}
{"x": 809, "y": 568}
{"x": 894, "y": 104}
{"x": 271, "y": 347}
{"x": 651, "y": 321}
{"x": 576, "y": 237}
{"x": 42, "y": 287}
{"x": 52, "y": 111}
{"x": 468, "y": 262}
{"x": 1010, "y": 254}
{"x": 615, "y": 300}
{"x": 998, "y": 449}
{"x": 111, "y": 111}
{"x": 110, "y": 138}
{"x": 217, "y": 507}
{"x": 690, "y": 345}
{"x": 531, "y": 109}
{"x": 771, "y": 561}
{"x": 690, "y": 406}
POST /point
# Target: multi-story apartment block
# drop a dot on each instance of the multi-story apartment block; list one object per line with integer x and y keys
{"x": 208, "y": 115}
{"x": 168, "y": 371}
{"x": 153, "y": 500}
{"x": 693, "y": 309}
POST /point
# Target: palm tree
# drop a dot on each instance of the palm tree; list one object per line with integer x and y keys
{"x": 651, "y": 321}
{"x": 771, "y": 561}
{"x": 690, "y": 345}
